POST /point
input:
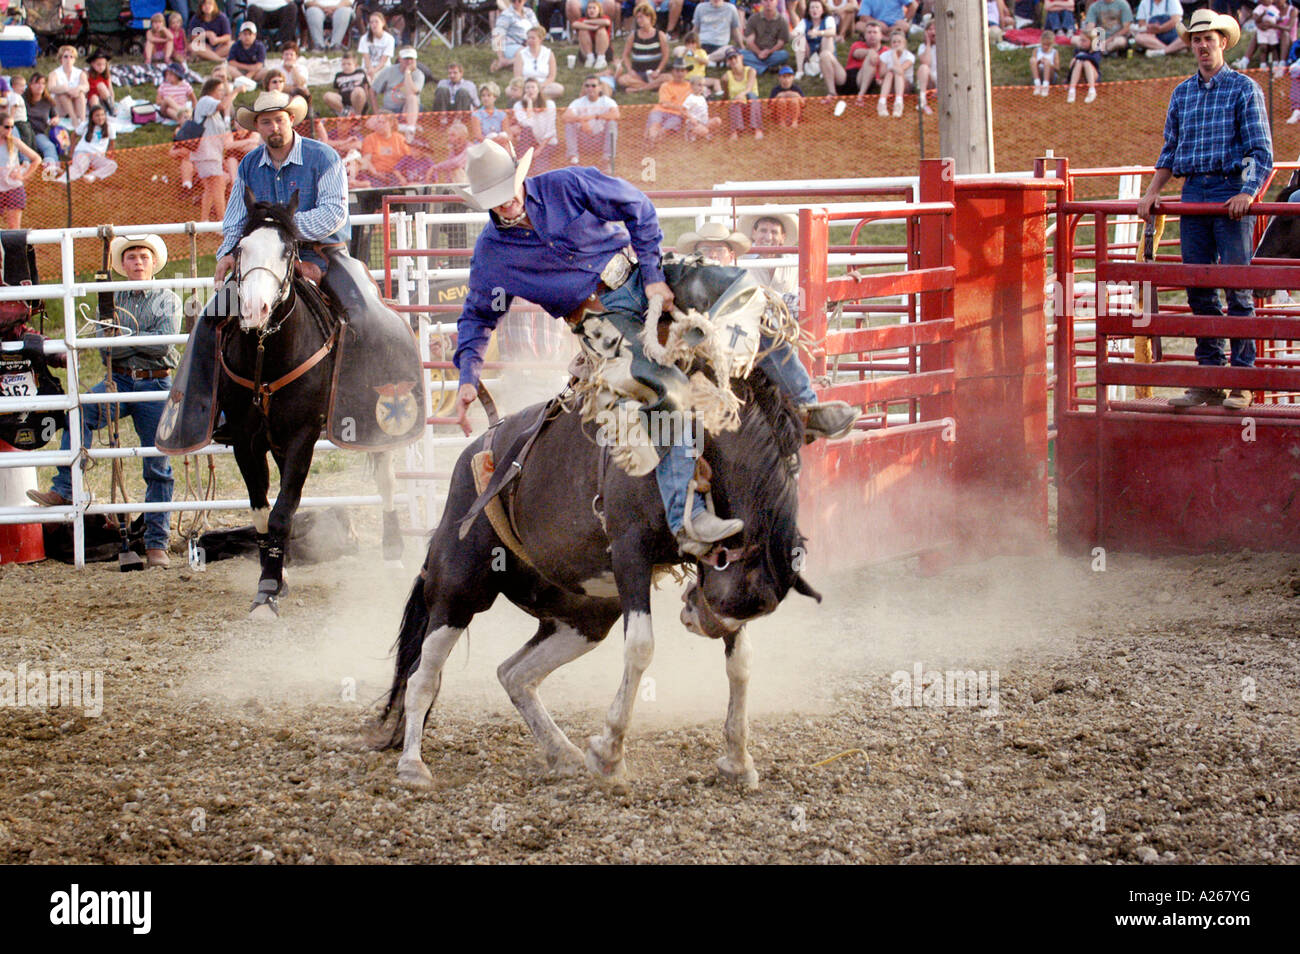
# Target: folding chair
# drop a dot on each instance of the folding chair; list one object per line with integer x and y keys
{"x": 473, "y": 20}
{"x": 435, "y": 19}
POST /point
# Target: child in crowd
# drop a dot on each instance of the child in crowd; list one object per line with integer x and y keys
{"x": 101, "y": 83}
{"x": 1044, "y": 63}
{"x": 90, "y": 158}
{"x": 1086, "y": 65}
{"x": 377, "y": 48}
{"x": 176, "y": 26}
{"x": 593, "y": 31}
{"x": 452, "y": 169}
{"x": 699, "y": 125}
{"x": 927, "y": 67}
{"x": 896, "y": 65}
{"x": 669, "y": 114}
{"x": 345, "y": 138}
{"x": 488, "y": 122}
{"x": 295, "y": 71}
{"x": 787, "y": 99}
{"x": 14, "y": 103}
{"x": 697, "y": 61}
{"x": 1268, "y": 39}
{"x": 351, "y": 93}
{"x": 158, "y": 40}
{"x": 1059, "y": 16}
{"x": 175, "y": 96}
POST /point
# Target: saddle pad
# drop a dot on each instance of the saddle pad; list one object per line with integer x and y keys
{"x": 377, "y": 401}
{"x": 190, "y": 411}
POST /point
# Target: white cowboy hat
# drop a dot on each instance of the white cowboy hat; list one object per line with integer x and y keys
{"x": 295, "y": 106}
{"x": 1205, "y": 20}
{"x": 713, "y": 232}
{"x": 119, "y": 246}
{"x": 791, "y": 223}
{"x": 494, "y": 175}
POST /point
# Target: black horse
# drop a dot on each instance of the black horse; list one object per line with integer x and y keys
{"x": 278, "y": 347}
{"x": 591, "y": 539}
{"x": 1281, "y": 238}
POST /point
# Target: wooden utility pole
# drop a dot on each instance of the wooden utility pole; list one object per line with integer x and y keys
{"x": 965, "y": 95}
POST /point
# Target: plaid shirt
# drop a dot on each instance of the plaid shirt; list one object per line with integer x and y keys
{"x": 1218, "y": 127}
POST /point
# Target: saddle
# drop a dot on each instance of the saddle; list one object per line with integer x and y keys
{"x": 496, "y": 469}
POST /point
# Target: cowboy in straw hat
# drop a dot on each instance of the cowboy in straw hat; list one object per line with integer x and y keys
{"x": 1217, "y": 140}
{"x": 150, "y": 311}
{"x": 283, "y": 164}
{"x": 711, "y": 239}
{"x": 583, "y": 246}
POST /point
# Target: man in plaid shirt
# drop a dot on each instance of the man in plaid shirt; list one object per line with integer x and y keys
{"x": 1217, "y": 140}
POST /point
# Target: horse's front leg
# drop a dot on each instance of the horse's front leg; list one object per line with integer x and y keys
{"x": 387, "y": 481}
{"x": 605, "y": 752}
{"x": 294, "y": 462}
{"x": 257, "y": 479}
{"x": 736, "y": 765}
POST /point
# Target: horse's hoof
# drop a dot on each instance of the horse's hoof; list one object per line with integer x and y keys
{"x": 600, "y": 762}
{"x": 414, "y": 773}
{"x": 265, "y": 612}
{"x": 743, "y": 774}
{"x": 566, "y": 762}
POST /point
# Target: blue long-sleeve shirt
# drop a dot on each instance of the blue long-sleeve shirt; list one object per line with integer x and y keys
{"x": 1218, "y": 127}
{"x": 313, "y": 170}
{"x": 580, "y": 218}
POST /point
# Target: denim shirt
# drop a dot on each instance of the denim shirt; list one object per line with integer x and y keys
{"x": 316, "y": 172}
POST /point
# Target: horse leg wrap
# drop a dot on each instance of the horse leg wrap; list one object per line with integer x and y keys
{"x": 273, "y": 569}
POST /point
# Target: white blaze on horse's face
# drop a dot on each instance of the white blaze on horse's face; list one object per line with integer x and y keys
{"x": 263, "y": 261}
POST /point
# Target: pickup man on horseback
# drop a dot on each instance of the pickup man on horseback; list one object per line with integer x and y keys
{"x": 579, "y": 243}
{"x": 288, "y": 169}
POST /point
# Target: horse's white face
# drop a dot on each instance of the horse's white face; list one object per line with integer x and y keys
{"x": 263, "y": 262}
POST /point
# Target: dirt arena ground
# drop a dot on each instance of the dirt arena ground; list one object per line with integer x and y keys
{"x": 1146, "y": 713}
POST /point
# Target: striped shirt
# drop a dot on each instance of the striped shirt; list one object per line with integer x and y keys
{"x": 178, "y": 93}
{"x": 313, "y": 170}
{"x": 1218, "y": 127}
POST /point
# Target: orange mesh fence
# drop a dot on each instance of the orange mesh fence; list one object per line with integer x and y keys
{"x": 1122, "y": 126}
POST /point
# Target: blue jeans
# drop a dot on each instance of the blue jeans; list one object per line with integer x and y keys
{"x": 157, "y": 470}
{"x": 775, "y": 59}
{"x": 183, "y": 8}
{"x": 46, "y": 148}
{"x": 1217, "y": 239}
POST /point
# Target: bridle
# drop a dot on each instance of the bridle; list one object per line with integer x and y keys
{"x": 721, "y": 557}
{"x": 285, "y": 289}
{"x": 283, "y": 303}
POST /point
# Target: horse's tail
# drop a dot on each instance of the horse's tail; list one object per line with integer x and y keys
{"x": 410, "y": 638}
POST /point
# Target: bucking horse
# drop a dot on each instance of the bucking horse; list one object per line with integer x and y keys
{"x": 283, "y": 359}
{"x": 576, "y": 542}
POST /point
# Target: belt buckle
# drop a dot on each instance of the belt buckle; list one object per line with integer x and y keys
{"x": 618, "y": 268}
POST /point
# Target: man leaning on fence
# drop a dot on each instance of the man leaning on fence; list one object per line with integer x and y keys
{"x": 1216, "y": 140}
{"x": 151, "y": 311}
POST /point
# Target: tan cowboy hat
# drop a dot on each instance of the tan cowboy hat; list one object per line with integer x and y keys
{"x": 1205, "y": 20}
{"x": 493, "y": 175}
{"x": 791, "y": 223}
{"x": 295, "y": 106}
{"x": 713, "y": 232}
{"x": 119, "y": 246}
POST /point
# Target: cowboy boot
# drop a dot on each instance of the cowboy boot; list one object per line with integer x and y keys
{"x": 831, "y": 419}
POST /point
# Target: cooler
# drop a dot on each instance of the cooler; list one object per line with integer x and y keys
{"x": 17, "y": 47}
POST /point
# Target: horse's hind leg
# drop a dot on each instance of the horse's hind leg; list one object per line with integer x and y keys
{"x": 387, "y": 481}
{"x": 421, "y": 691}
{"x": 553, "y": 645}
{"x": 736, "y": 765}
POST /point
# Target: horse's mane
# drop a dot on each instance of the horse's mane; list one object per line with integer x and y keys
{"x": 760, "y": 468}
{"x": 262, "y": 214}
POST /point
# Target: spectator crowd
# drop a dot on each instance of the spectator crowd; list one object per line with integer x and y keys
{"x": 713, "y": 68}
